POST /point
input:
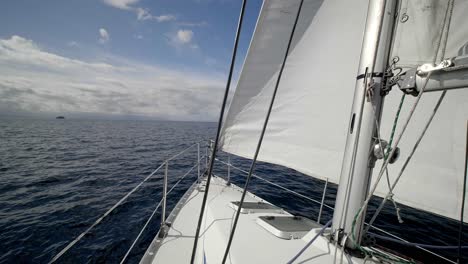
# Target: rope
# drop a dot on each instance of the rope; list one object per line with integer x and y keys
{"x": 447, "y": 20}
{"x": 390, "y": 142}
{"x": 311, "y": 241}
{"x": 379, "y": 209}
{"x": 154, "y": 212}
{"x": 384, "y": 167}
{"x": 218, "y": 131}
{"x": 260, "y": 140}
{"x": 397, "y": 209}
{"x": 72, "y": 243}
{"x": 386, "y": 162}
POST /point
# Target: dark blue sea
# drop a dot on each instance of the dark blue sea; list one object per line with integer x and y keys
{"x": 58, "y": 176}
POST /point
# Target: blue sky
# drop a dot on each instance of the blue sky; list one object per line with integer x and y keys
{"x": 152, "y": 58}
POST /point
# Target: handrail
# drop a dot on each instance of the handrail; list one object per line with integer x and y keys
{"x": 399, "y": 238}
{"x": 185, "y": 150}
{"x": 155, "y": 210}
{"x": 78, "y": 238}
{"x": 275, "y": 184}
{"x": 322, "y": 204}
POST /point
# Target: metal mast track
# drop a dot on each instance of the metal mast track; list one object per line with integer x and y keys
{"x": 356, "y": 171}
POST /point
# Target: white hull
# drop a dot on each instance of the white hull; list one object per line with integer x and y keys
{"x": 252, "y": 242}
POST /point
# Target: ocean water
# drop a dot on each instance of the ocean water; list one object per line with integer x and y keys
{"x": 58, "y": 176}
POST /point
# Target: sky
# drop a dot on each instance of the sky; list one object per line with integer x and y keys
{"x": 158, "y": 59}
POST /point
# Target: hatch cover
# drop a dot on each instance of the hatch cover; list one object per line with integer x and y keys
{"x": 287, "y": 227}
{"x": 256, "y": 207}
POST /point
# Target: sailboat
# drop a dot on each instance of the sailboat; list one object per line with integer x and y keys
{"x": 403, "y": 140}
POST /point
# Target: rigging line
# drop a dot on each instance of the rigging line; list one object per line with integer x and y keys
{"x": 444, "y": 31}
{"x": 401, "y": 239}
{"x": 183, "y": 151}
{"x": 218, "y": 131}
{"x": 406, "y": 243}
{"x": 410, "y": 156}
{"x": 311, "y": 241}
{"x": 386, "y": 162}
{"x": 155, "y": 210}
{"x": 276, "y": 185}
{"x": 377, "y": 125}
{"x": 78, "y": 238}
{"x": 392, "y": 152}
{"x": 260, "y": 140}
{"x": 460, "y": 230}
{"x": 395, "y": 122}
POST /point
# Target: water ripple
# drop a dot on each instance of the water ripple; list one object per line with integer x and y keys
{"x": 58, "y": 176}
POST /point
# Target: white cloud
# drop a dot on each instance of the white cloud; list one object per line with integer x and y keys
{"x": 104, "y": 36}
{"x": 164, "y": 18}
{"x": 193, "y": 24}
{"x": 138, "y": 36}
{"x": 34, "y": 80}
{"x": 72, "y": 44}
{"x": 142, "y": 13}
{"x": 182, "y": 40}
{"x": 184, "y": 36}
{"x": 121, "y": 4}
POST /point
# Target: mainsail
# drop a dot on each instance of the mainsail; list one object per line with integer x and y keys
{"x": 309, "y": 121}
{"x": 433, "y": 180}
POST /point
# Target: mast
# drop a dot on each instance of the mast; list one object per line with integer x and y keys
{"x": 358, "y": 160}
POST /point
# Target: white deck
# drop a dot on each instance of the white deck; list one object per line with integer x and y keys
{"x": 251, "y": 244}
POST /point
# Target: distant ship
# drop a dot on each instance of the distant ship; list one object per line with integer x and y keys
{"x": 60, "y": 117}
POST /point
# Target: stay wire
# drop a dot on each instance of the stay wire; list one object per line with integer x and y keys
{"x": 408, "y": 159}
{"x": 460, "y": 229}
{"x": 218, "y": 131}
{"x": 259, "y": 143}
{"x": 386, "y": 161}
{"x": 444, "y": 32}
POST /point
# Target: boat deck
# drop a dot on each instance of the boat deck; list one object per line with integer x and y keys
{"x": 252, "y": 243}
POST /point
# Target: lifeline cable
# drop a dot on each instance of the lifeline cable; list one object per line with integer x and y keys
{"x": 154, "y": 212}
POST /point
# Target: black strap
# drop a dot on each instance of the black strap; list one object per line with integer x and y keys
{"x": 374, "y": 74}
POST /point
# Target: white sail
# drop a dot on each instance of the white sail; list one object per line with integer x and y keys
{"x": 433, "y": 180}
{"x": 309, "y": 120}
{"x": 307, "y": 128}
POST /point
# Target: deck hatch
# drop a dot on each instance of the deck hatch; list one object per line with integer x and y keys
{"x": 287, "y": 227}
{"x": 256, "y": 207}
